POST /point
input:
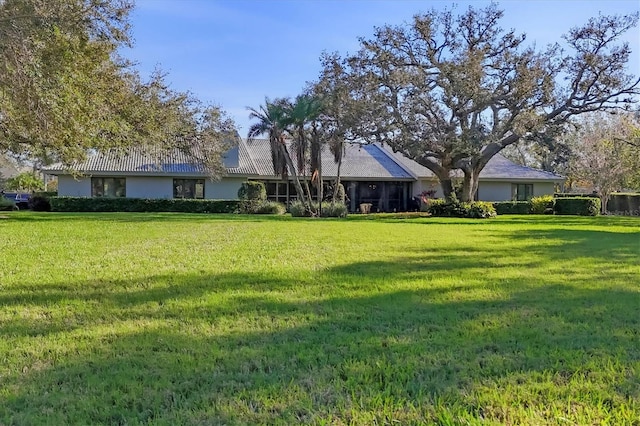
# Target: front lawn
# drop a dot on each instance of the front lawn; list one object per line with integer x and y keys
{"x": 200, "y": 319}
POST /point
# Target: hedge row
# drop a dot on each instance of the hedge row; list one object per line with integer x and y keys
{"x": 85, "y": 204}
{"x": 455, "y": 208}
{"x": 582, "y": 206}
{"x": 574, "y": 205}
{"x": 512, "y": 207}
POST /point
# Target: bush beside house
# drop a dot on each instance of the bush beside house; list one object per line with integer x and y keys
{"x": 582, "y": 206}
{"x": 297, "y": 209}
{"x": 455, "y": 208}
{"x": 104, "y": 204}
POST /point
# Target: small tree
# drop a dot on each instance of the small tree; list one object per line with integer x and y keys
{"x": 26, "y": 181}
{"x": 601, "y": 159}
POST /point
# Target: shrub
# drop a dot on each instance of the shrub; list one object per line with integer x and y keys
{"x": 583, "y": 206}
{"x": 341, "y": 196}
{"x": 104, "y": 204}
{"x": 269, "y": 207}
{"x": 434, "y": 206}
{"x": 454, "y": 208}
{"x": 480, "y": 210}
{"x": 252, "y": 191}
{"x": 512, "y": 207}
{"x": 297, "y": 209}
{"x": 7, "y": 204}
{"x": 39, "y": 203}
{"x": 47, "y": 194}
{"x": 575, "y": 194}
{"x": 334, "y": 210}
{"x": 252, "y": 195}
{"x": 542, "y": 204}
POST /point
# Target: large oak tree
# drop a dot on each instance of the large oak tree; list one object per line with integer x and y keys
{"x": 451, "y": 91}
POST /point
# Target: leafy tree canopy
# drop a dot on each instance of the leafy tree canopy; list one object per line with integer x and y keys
{"x": 64, "y": 90}
{"x": 451, "y": 91}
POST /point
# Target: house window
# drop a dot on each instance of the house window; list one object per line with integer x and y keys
{"x": 108, "y": 187}
{"x": 188, "y": 188}
{"x": 277, "y": 191}
{"x": 522, "y": 191}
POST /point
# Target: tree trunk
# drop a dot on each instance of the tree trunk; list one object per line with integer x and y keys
{"x": 292, "y": 172}
{"x": 446, "y": 185}
{"x": 604, "y": 201}
{"x": 335, "y": 187}
{"x": 320, "y": 189}
{"x": 469, "y": 186}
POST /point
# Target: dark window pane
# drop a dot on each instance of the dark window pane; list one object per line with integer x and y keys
{"x": 108, "y": 187}
{"x": 271, "y": 189}
{"x": 282, "y": 189}
{"x": 188, "y": 188}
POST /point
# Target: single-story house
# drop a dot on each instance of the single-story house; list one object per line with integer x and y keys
{"x": 370, "y": 174}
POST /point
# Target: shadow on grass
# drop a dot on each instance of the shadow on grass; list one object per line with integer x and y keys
{"x": 397, "y": 353}
{"x": 248, "y": 348}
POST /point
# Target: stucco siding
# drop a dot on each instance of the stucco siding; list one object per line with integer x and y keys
{"x": 70, "y": 187}
{"x": 543, "y": 188}
{"x": 149, "y": 187}
{"x": 225, "y": 189}
{"x": 494, "y": 191}
{"x": 427, "y": 185}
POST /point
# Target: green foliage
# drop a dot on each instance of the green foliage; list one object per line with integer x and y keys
{"x": 582, "y": 206}
{"x": 6, "y": 204}
{"x": 575, "y": 194}
{"x": 47, "y": 194}
{"x": 252, "y": 195}
{"x": 39, "y": 203}
{"x": 252, "y": 191}
{"x": 297, "y": 209}
{"x": 26, "y": 181}
{"x": 340, "y": 195}
{"x": 68, "y": 91}
{"x": 542, "y": 204}
{"x": 479, "y": 210}
{"x": 512, "y": 207}
{"x": 464, "y": 66}
{"x": 104, "y": 204}
{"x": 455, "y": 208}
{"x": 334, "y": 210}
{"x": 269, "y": 207}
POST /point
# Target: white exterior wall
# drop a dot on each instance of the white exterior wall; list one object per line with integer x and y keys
{"x": 427, "y": 185}
{"x": 543, "y": 188}
{"x": 495, "y": 191}
{"x": 70, "y": 187}
{"x": 502, "y": 191}
{"x": 225, "y": 189}
{"x": 149, "y": 187}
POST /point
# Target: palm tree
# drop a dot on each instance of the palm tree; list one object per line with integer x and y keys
{"x": 272, "y": 121}
{"x": 303, "y": 111}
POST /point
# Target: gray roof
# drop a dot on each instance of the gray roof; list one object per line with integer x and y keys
{"x": 360, "y": 162}
{"x": 500, "y": 167}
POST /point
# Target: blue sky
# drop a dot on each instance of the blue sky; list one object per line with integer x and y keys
{"x": 233, "y": 53}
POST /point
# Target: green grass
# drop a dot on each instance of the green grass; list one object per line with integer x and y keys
{"x": 197, "y": 319}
